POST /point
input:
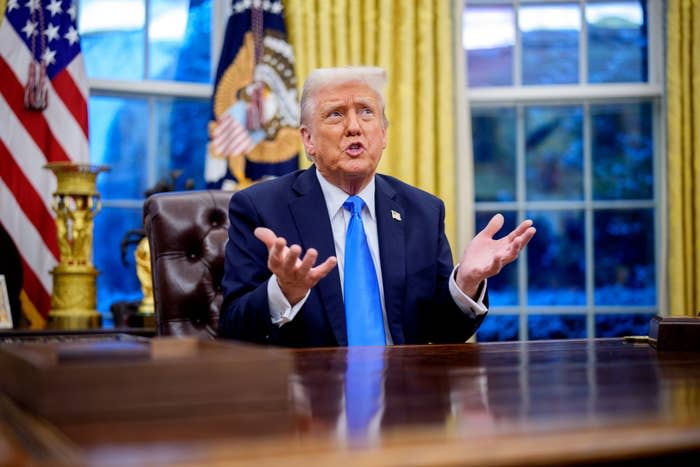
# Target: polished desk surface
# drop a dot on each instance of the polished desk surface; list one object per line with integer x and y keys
{"x": 576, "y": 402}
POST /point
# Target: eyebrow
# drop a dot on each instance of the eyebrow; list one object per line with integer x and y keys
{"x": 336, "y": 104}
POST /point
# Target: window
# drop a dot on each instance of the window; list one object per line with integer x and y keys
{"x": 565, "y": 100}
{"x": 150, "y": 67}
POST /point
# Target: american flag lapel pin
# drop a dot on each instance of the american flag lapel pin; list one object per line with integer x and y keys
{"x": 396, "y": 215}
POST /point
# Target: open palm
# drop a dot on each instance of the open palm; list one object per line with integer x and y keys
{"x": 485, "y": 256}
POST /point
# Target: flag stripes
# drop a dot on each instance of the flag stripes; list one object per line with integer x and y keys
{"x": 18, "y": 141}
{"x": 29, "y": 139}
{"x": 34, "y": 208}
{"x": 34, "y": 123}
{"x": 67, "y": 91}
{"x": 36, "y": 262}
{"x": 230, "y": 138}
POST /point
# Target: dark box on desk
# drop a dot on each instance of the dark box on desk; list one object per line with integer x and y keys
{"x": 137, "y": 378}
{"x": 674, "y": 333}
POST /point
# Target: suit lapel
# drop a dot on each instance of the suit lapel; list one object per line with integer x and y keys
{"x": 392, "y": 247}
{"x": 311, "y": 217}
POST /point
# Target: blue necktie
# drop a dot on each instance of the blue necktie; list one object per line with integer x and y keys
{"x": 363, "y": 307}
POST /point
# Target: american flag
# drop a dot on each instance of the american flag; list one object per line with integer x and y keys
{"x": 43, "y": 32}
{"x": 230, "y": 137}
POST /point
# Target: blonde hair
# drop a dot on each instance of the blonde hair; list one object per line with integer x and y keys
{"x": 372, "y": 76}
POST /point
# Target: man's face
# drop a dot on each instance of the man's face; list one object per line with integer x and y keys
{"x": 346, "y": 134}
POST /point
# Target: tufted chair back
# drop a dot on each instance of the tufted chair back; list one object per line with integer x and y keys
{"x": 187, "y": 233}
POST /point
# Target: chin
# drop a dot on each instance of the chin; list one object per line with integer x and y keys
{"x": 358, "y": 173}
{"x": 360, "y": 166}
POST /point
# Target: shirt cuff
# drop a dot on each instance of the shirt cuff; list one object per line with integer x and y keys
{"x": 465, "y": 302}
{"x": 281, "y": 312}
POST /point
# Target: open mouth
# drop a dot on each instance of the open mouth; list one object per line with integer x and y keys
{"x": 355, "y": 149}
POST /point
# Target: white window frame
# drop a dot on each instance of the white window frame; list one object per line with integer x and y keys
{"x": 580, "y": 94}
{"x": 151, "y": 90}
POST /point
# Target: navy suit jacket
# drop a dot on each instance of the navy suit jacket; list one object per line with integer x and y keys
{"x": 415, "y": 258}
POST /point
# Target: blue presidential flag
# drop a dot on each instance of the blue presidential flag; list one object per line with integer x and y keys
{"x": 253, "y": 133}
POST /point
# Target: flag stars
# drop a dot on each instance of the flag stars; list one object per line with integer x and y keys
{"x": 241, "y": 6}
{"x": 265, "y": 5}
{"x": 71, "y": 35}
{"x": 12, "y": 5}
{"x": 29, "y": 29}
{"x": 49, "y": 57}
{"x": 33, "y": 5}
{"x": 276, "y": 8}
{"x": 71, "y": 11}
{"x": 54, "y": 7}
{"x": 51, "y": 32}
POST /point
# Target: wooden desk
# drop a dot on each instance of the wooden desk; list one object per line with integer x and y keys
{"x": 540, "y": 403}
{"x": 46, "y": 335}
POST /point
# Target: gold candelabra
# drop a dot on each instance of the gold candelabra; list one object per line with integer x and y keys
{"x": 75, "y": 203}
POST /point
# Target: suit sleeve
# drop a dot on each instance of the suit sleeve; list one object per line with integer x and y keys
{"x": 444, "y": 320}
{"x": 245, "y": 313}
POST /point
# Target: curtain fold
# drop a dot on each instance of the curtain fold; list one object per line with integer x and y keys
{"x": 683, "y": 114}
{"x": 413, "y": 41}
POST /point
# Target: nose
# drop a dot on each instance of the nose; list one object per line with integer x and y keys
{"x": 352, "y": 127}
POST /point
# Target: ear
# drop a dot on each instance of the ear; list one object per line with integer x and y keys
{"x": 308, "y": 142}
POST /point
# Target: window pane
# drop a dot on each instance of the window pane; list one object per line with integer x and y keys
{"x": 488, "y": 37}
{"x": 118, "y": 138}
{"x": 554, "y": 156}
{"x": 493, "y": 138}
{"x": 179, "y": 40}
{"x": 556, "y": 259}
{"x": 116, "y": 280}
{"x": 617, "y": 42}
{"x": 556, "y": 326}
{"x": 618, "y": 325}
{"x": 503, "y": 287}
{"x": 498, "y": 327}
{"x": 112, "y": 38}
{"x": 622, "y": 151}
{"x": 182, "y": 139}
{"x": 550, "y": 36}
{"x": 624, "y": 257}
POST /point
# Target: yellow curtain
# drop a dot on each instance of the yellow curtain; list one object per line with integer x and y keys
{"x": 683, "y": 97}
{"x": 413, "y": 41}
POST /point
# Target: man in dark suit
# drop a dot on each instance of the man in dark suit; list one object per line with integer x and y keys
{"x": 273, "y": 290}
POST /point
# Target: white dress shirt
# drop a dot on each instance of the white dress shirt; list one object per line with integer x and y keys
{"x": 281, "y": 312}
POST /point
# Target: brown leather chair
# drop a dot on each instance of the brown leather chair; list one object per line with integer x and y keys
{"x": 187, "y": 233}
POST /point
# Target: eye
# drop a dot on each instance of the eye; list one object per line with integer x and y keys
{"x": 334, "y": 114}
{"x": 367, "y": 111}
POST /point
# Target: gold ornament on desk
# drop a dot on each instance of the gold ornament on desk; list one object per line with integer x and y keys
{"x": 75, "y": 202}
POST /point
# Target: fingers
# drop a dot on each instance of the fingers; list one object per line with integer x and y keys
{"x": 494, "y": 225}
{"x": 306, "y": 273}
{"x": 517, "y": 244}
{"x": 277, "y": 254}
{"x": 520, "y": 229}
{"x": 527, "y": 236}
{"x": 286, "y": 262}
{"x": 265, "y": 235}
{"x": 322, "y": 270}
{"x": 289, "y": 262}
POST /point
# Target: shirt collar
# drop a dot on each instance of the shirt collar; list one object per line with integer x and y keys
{"x": 335, "y": 197}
